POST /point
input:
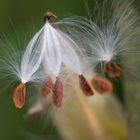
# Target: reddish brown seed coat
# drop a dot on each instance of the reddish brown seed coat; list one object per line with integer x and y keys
{"x": 112, "y": 69}
{"x": 48, "y": 85}
{"x": 58, "y": 93}
{"x": 85, "y": 86}
{"x": 19, "y": 96}
{"x": 102, "y": 85}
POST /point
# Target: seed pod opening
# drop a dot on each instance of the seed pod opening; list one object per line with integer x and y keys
{"x": 85, "y": 86}
{"x": 58, "y": 93}
{"x": 102, "y": 85}
{"x": 48, "y": 85}
{"x": 19, "y": 96}
{"x": 112, "y": 69}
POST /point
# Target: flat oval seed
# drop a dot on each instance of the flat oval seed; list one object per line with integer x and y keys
{"x": 85, "y": 86}
{"x": 58, "y": 93}
{"x": 19, "y": 96}
{"x": 48, "y": 85}
{"x": 102, "y": 85}
{"x": 112, "y": 69}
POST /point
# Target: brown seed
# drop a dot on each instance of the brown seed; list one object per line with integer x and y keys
{"x": 48, "y": 85}
{"x": 112, "y": 69}
{"x": 49, "y": 16}
{"x": 85, "y": 86}
{"x": 102, "y": 85}
{"x": 19, "y": 96}
{"x": 58, "y": 93}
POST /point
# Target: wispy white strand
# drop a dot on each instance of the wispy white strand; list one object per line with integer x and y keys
{"x": 60, "y": 50}
{"x": 113, "y": 31}
{"x": 69, "y": 55}
{"x": 45, "y": 54}
{"x": 52, "y": 55}
{"x": 32, "y": 58}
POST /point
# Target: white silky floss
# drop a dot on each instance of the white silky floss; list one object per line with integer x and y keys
{"x": 52, "y": 48}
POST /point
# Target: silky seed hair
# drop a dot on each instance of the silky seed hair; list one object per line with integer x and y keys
{"x": 47, "y": 52}
{"x": 12, "y": 74}
{"x": 70, "y": 55}
{"x": 108, "y": 35}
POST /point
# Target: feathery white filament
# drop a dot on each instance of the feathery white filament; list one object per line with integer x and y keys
{"x": 112, "y": 32}
{"x": 32, "y": 57}
{"x": 52, "y": 54}
{"x": 52, "y": 48}
{"x": 69, "y": 56}
{"x": 59, "y": 50}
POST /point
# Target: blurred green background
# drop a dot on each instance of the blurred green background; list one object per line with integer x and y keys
{"x": 19, "y": 14}
{"x": 26, "y": 12}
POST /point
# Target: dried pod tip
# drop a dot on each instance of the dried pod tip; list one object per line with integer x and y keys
{"x": 19, "y": 96}
{"x": 58, "y": 93}
{"x": 48, "y": 85}
{"x": 102, "y": 85}
{"x": 85, "y": 86}
{"x": 49, "y": 16}
{"x": 112, "y": 69}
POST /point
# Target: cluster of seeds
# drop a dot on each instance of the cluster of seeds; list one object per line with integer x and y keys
{"x": 52, "y": 49}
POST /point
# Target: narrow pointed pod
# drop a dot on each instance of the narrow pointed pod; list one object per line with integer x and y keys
{"x": 19, "y": 95}
{"x": 102, "y": 85}
{"x": 58, "y": 93}
{"x": 112, "y": 69}
{"x": 48, "y": 86}
{"x": 85, "y": 86}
